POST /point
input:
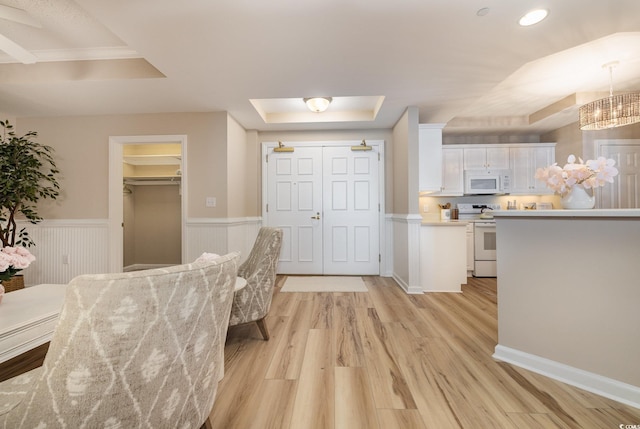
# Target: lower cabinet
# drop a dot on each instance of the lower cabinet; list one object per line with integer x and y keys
{"x": 442, "y": 264}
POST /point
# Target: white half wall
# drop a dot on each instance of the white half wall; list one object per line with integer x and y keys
{"x": 68, "y": 248}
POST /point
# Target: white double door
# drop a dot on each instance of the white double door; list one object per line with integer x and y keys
{"x": 326, "y": 201}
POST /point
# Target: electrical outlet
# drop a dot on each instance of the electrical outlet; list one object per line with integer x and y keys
{"x": 65, "y": 259}
{"x": 425, "y": 208}
{"x": 210, "y": 202}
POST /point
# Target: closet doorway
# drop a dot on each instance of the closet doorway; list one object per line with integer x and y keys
{"x": 151, "y": 202}
{"x": 147, "y": 201}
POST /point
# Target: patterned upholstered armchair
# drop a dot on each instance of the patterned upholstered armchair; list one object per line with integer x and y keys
{"x": 252, "y": 303}
{"x": 130, "y": 350}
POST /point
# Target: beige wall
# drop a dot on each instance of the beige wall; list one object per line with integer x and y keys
{"x": 156, "y": 231}
{"x": 571, "y": 139}
{"x": 252, "y": 170}
{"x": 401, "y": 165}
{"x": 236, "y": 168}
{"x": 622, "y": 133}
{"x": 568, "y": 141}
{"x": 81, "y": 146}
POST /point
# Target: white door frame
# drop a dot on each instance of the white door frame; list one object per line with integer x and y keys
{"x": 599, "y": 146}
{"x": 116, "y": 204}
{"x": 379, "y": 144}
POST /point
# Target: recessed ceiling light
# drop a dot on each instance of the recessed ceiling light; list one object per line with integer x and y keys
{"x": 533, "y": 17}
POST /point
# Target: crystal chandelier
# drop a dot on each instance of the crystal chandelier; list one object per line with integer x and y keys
{"x": 612, "y": 111}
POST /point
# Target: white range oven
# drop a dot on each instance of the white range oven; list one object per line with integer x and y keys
{"x": 484, "y": 243}
{"x": 484, "y": 237}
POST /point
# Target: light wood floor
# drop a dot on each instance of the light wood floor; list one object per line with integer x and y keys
{"x": 384, "y": 359}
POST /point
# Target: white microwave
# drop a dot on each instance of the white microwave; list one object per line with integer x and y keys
{"x": 484, "y": 183}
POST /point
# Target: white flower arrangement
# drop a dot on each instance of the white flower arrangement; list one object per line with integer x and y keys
{"x": 591, "y": 174}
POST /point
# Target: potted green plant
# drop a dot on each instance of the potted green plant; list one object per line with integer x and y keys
{"x": 27, "y": 174}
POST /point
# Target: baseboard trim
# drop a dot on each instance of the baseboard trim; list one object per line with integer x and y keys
{"x": 405, "y": 287}
{"x": 594, "y": 383}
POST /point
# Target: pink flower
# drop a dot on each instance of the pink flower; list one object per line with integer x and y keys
{"x": 17, "y": 258}
{"x": 592, "y": 174}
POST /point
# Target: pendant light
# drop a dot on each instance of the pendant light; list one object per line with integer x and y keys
{"x": 612, "y": 111}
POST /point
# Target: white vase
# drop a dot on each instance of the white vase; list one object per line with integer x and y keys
{"x": 578, "y": 198}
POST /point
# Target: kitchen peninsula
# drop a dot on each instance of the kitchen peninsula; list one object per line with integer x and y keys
{"x": 569, "y": 297}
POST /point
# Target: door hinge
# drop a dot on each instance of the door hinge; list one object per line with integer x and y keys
{"x": 267, "y": 158}
{"x": 378, "y": 156}
{"x": 379, "y": 257}
{"x": 378, "y": 207}
{"x": 267, "y": 208}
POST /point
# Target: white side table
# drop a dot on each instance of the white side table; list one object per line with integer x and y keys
{"x": 28, "y": 317}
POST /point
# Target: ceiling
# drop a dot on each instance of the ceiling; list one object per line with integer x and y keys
{"x": 478, "y": 74}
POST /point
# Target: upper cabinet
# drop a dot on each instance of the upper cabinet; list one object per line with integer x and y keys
{"x": 525, "y": 160}
{"x": 430, "y": 157}
{"x": 452, "y": 171}
{"x": 522, "y": 159}
{"x": 486, "y": 158}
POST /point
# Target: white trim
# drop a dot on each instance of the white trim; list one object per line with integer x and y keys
{"x": 115, "y": 192}
{"x": 603, "y": 386}
{"x": 65, "y": 222}
{"x": 222, "y": 221}
{"x": 411, "y": 290}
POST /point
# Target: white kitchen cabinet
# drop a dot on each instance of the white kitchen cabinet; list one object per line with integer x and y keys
{"x": 442, "y": 263}
{"x": 486, "y": 158}
{"x": 430, "y": 157}
{"x": 470, "y": 248}
{"x": 452, "y": 172}
{"x": 524, "y": 161}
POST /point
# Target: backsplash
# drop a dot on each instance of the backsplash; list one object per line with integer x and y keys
{"x": 432, "y": 211}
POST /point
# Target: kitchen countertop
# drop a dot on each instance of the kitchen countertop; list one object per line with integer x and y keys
{"x": 593, "y": 213}
{"x": 445, "y": 222}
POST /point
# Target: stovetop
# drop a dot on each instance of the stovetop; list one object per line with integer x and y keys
{"x": 468, "y": 211}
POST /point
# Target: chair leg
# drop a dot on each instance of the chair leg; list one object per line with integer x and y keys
{"x": 262, "y": 325}
{"x": 207, "y": 424}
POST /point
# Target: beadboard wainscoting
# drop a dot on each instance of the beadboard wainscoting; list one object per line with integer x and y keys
{"x": 406, "y": 256}
{"x": 67, "y": 248}
{"x": 221, "y": 236}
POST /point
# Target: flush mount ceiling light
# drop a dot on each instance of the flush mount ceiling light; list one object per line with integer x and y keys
{"x": 612, "y": 111}
{"x": 533, "y": 17}
{"x": 318, "y": 104}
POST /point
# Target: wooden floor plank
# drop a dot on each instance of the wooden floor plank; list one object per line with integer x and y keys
{"x": 315, "y": 396}
{"x": 400, "y": 419}
{"x": 347, "y": 339}
{"x": 287, "y": 359}
{"x": 390, "y": 389}
{"x": 354, "y": 405}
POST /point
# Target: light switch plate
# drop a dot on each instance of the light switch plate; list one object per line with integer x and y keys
{"x": 210, "y": 202}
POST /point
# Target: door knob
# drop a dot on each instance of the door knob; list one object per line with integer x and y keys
{"x": 317, "y": 216}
